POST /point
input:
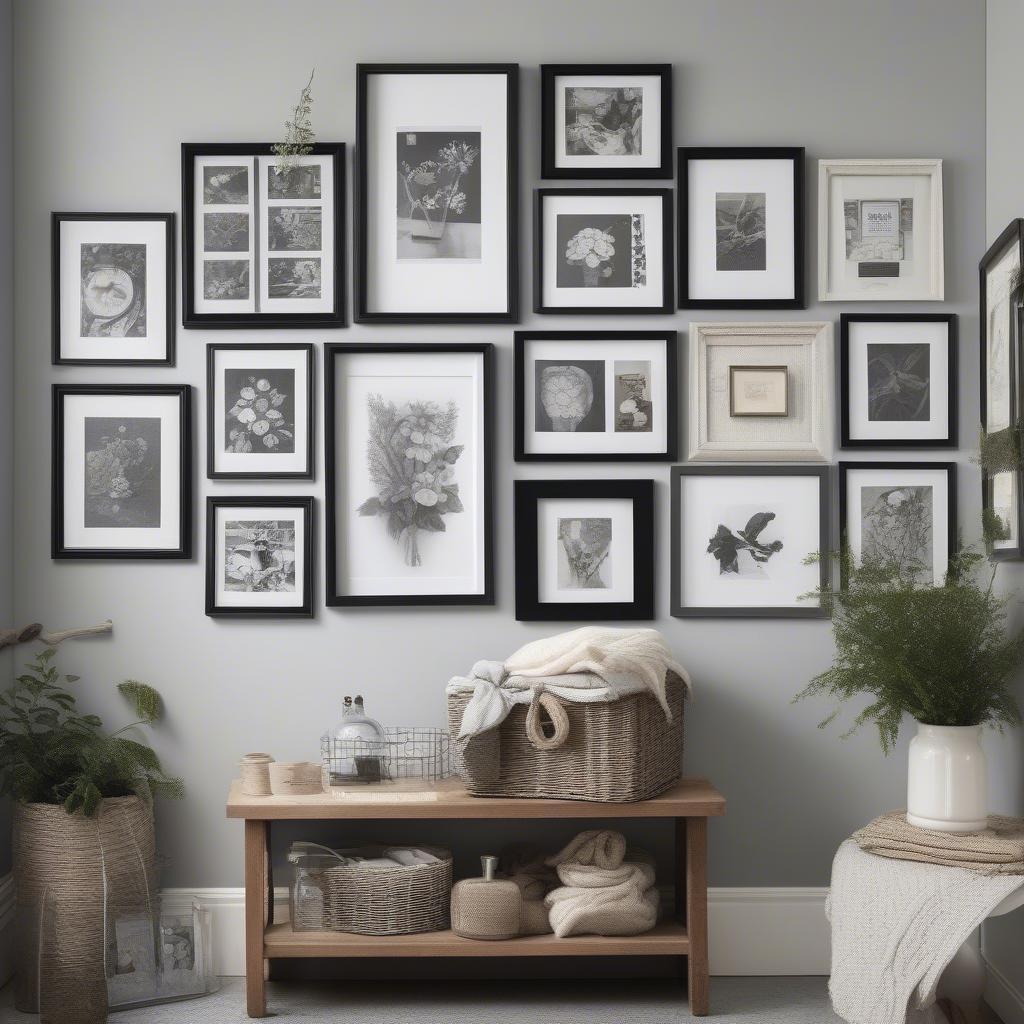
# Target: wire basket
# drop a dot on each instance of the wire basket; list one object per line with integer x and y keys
{"x": 420, "y": 754}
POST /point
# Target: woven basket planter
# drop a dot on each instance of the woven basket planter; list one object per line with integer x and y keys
{"x": 66, "y": 867}
{"x": 614, "y": 752}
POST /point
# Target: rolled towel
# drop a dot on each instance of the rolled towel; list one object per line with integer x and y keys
{"x": 601, "y": 847}
{"x": 410, "y": 857}
{"x": 626, "y": 908}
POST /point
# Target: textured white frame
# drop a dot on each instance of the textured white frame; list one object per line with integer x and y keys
{"x": 827, "y": 169}
{"x": 817, "y": 335}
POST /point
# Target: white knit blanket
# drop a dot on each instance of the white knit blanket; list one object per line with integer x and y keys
{"x": 895, "y": 927}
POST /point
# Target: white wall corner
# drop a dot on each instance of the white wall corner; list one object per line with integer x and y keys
{"x": 1003, "y": 996}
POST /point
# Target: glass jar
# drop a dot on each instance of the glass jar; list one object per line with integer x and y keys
{"x": 357, "y": 747}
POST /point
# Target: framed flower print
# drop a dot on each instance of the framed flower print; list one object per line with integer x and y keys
{"x": 122, "y": 471}
{"x": 113, "y": 289}
{"x": 603, "y": 251}
{"x": 606, "y": 120}
{"x": 259, "y": 412}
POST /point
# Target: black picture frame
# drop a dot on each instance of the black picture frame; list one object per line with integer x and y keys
{"x": 952, "y": 328}
{"x": 670, "y": 339}
{"x": 795, "y": 154}
{"x": 333, "y": 598}
{"x": 227, "y": 321}
{"x": 549, "y": 75}
{"x": 529, "y": 608}
{"x": 667, "y": 255}
{"x": 171, "y": 302}
{"x": 58, "y": 547}
{"x": 680, "y": 611}
{"x": 362, "y": 190}
{"x": 307, "y": 504}
{"x": 212, "y": 427}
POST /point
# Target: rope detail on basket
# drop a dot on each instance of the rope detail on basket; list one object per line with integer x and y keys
{"x": 559, "y": 719}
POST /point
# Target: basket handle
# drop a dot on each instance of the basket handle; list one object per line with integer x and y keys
{"x": 535, "y": 733}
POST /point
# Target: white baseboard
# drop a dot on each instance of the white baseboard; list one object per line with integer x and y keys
{"x": 1003, "y": 996}
{"x": 6, "y": 928}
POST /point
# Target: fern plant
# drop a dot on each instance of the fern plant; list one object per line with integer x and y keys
{"x": 51, "y": 754}
{"x": 298, "y": 133}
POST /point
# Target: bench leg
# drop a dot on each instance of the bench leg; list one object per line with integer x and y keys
{"x": 697, "y": 913}
{"x": 257, "y": 835}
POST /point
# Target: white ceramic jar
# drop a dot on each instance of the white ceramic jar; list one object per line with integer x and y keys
{"x": 947, "y": 779}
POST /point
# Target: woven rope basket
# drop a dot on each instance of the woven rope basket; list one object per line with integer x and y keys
{"x": 613, "y": 752}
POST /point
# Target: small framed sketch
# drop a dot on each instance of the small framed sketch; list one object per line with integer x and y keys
{"x": 113, "y": 289}
{"x": 259, "y": 412}
{"x": 760, "y": 392}
{"x": 436, "y": 193}
{"x": 741, "y": 536}
{"x": 584, "y": 550}
{"x": 606, "y": 120}
{"x": 259, "y": 556}
{"x": 408, "y": 430}
{"x": 262, "y": 244}
{"x": 603, "y": 250}
{"x": 122, "y": 471}
{"x": 880, "y": 230}
{"x": 741, "y": 228}
{"x": 900, "y": 513}
{"x": 595, "y": 395}
{"x": 898, "y": 380}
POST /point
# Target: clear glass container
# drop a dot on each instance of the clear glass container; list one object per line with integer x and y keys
{"x": 358, "y": 749}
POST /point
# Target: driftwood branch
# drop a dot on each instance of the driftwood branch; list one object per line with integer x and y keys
{"x": 34, "y": 631}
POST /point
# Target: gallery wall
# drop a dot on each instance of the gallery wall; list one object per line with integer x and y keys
{"x": 105, "y": 93}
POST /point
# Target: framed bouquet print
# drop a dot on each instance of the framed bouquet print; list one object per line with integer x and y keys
{"x": 741, "y": 536}
{"x": 898, "y": 380}
{"x": 259, "y": 556}
{"x": 259, "y": 412}
{"x": 900, "y": 513}
{"x": 741, "y": 228}
{"x": 263, "y": 244}
{"x": 584, "y": 550}
{"x": 606, "y": 120}
{"x": 880, "y": 230}
{"x": 436, "y": 193}
{"x": 113, "y": 289}
{"x": 122, "y": 471}
{"x": 603, "y": 250}
{"x": 596, "y": 396}
{"x": 408, "y": 430}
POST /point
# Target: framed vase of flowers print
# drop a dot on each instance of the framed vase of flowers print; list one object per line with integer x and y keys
{"x": 436, "y": 193}
{"x": 408, "y": 429}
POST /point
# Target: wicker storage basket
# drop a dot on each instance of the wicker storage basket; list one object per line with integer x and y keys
{"x": 614, "y": 752}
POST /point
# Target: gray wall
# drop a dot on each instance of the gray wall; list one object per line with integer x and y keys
{"x": 106, "y": 92}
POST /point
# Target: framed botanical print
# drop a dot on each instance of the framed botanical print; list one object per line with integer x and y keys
{"x": 606, "y": 120}
{"x": 741, "y": 537}
{"x": 408, "y": 430}
{"x": 584, "y": 550}
{"x": 436, "y": 193}
{"x": 880, "y": 230}
{"x": 259, "y": 412}
{"x": 263, "y": 243}
{"x": 741, "y": 228}
{"x": 603, "y": 250}
{"x": 760, "y": 392}
{"x": 900, "y": 513}
{"x": 898, "y": 380}
{"x": 595, "y": 396}
{"x": 122, "y": 471}
{"x": 259, "y": 556}
{"x": 113, "y": 289}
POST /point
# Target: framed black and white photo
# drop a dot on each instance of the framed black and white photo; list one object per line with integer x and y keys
{"x": 606, "y": 121}
{"x": 741, "y": 228}
{"x": 259, "y": 411}
{"x": 113, "y": 289}
{"x": 436, "y": 193}
{"x": 122, "y": 471}
{"x": 741, "y": 537}
{"x": 898, "y": 380}
{"x": 263, "y": 243}
{"x": 899, "y": 514}
{"x": 408, "y": 430}
{"x": 880, "y": 231}
{"x": 595, "y": 396}
{"x": 584, "y": 550}
{"x": 259, "y": 556}
{"x": 760, "y": 392}
{"x": 602, "y": 250}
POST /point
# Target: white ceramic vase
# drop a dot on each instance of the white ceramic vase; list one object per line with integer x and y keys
{"x": 947, "y": 779}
